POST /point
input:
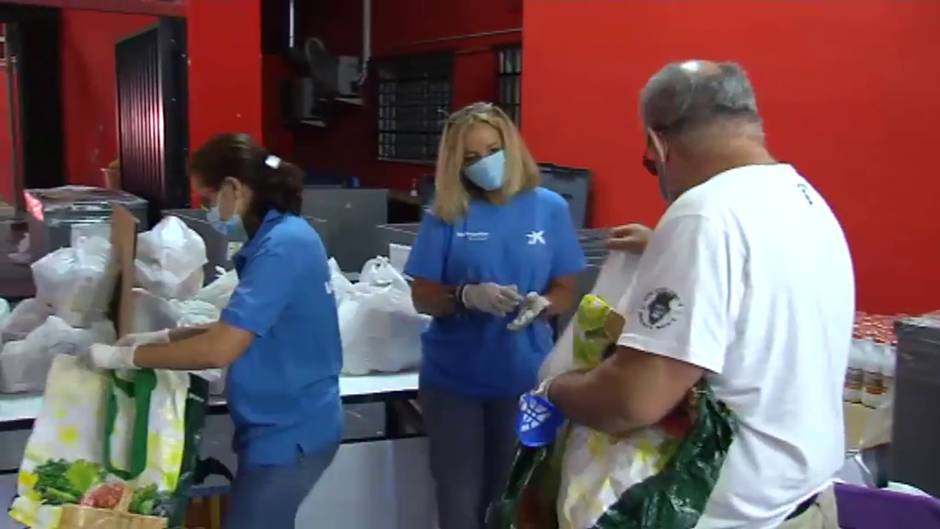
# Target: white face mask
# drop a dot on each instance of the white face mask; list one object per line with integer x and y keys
{"x": 489, "y": 173}
{"x": 233, "y": 227}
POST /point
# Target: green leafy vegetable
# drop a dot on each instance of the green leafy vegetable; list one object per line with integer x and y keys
{"x": 62, "y": 482}
{"x": 84, "y": 475}
{"x": 148, "y": 501}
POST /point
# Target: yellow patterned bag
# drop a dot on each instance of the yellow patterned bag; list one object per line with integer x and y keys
{"x": 101, "y": 437}
{"x": 606, "y": 480}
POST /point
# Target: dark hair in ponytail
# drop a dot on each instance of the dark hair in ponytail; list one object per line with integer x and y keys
{"x": 276, "y": 185}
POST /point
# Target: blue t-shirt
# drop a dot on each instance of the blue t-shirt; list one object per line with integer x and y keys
{"x": 528, "y": 242}
{"x": 283, "y": 392}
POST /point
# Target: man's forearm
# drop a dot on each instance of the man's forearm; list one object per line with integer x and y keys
{"x": 588, "y": 399}
{"x": 629, "y": 390}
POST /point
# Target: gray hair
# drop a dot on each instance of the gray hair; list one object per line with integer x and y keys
{"x": 694, "y": 94}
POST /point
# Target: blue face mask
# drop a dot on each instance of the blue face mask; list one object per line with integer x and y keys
{"x": 231, "y": 228}
{"x": 489, "y": 173}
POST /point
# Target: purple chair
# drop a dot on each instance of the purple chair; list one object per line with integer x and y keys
{"x": 863, "y": 508}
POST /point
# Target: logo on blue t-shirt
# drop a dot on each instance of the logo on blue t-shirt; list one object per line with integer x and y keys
{"x": 536, "y": 237}
{"x": 475, "y": 236}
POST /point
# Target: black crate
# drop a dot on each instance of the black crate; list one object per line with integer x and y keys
{"x": 572, "y": 183}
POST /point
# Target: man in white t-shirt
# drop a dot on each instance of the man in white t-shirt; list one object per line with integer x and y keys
{"x": 746, "y": 281}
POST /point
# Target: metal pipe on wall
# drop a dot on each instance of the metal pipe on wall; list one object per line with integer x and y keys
{"x": 467, "y": 36}
{"x": 366, "y": 32}
{"x": 291, "y": 29}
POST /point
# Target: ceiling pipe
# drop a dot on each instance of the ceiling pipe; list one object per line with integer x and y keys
{"x": 291, "y": 24}
{"x": 366, "y": 41}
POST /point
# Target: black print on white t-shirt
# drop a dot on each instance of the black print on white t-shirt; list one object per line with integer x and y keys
{"x": 805, "y": 190}
{"x": 661, "y": 308}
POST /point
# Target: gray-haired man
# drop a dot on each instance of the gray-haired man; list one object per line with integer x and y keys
{"x": 760, "y": 293}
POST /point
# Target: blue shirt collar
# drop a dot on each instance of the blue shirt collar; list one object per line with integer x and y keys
{"x": 271, "y": 219}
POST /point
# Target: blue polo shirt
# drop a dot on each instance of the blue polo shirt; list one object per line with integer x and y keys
{"x": 527, "y": 242}
{"x": 283, "y": 392}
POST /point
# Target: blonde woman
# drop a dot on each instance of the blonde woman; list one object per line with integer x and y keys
{"x": 496, "y": 255}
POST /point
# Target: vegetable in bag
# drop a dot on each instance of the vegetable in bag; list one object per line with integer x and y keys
{"x": 657, "y": 477}
{"x": 112, "y": 451}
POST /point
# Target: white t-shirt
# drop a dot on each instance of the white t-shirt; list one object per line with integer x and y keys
{"x": 749, "y": 277}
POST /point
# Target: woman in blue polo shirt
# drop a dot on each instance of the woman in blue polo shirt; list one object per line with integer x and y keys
{"x": 279, "y": 335}
{"x": 496, "y": 255}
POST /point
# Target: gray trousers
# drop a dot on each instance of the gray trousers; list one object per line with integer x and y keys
{"x": 472, "y": 443}
{"x": 268, "y": 496}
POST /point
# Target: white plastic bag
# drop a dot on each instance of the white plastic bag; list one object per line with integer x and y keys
{"x": 340, "y": 284}
{"x": 170, "y": 258}
{"x": 25, "y": 364}
{"x": 4, "y": 311}
{"x": 218, "y": 292}
{"x": 208, "y": 304}
{"x": 78, "y": 282}
{"x": 26, "y": 316}
{"x": 613, "y": 283}
{"x": 380, "y": 272}
{"x": 151, "y": 312}
{"x": 379, "y": 326}
{"x": 194, "y": 312}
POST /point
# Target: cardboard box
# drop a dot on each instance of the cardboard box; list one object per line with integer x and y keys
{"x": 124, "y": 248}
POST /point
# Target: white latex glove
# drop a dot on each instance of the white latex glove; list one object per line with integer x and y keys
{"x": 102, "y": 356}
{"x": 534, "y": 305}
{"x": 491, "y": 298}
{"x": 145, "y": 338}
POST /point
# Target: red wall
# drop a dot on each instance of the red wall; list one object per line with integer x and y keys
{"x": 849, "y": 91}
{"x": 224, "y": 43}
{"x": 348, "y": 145}
{"x": 89, "y": 82}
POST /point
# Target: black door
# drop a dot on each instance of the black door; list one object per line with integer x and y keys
{"x": 34, "y": 76}
{"x": 153, "y": 140}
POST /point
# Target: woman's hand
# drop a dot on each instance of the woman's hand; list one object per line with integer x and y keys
{"x": 534, "y": 306}
{"x": 631, "y": 238}
{"x": 103, "y": 356}
{"x": 498, "y": 300}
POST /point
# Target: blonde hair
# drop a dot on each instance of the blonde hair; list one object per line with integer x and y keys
{"x": 451, "y": 197}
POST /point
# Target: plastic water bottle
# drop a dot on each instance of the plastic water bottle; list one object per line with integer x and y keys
{"x": 855, "y": 374}
{"x": 888, "y": 366}
{"x": 874, "y": 383}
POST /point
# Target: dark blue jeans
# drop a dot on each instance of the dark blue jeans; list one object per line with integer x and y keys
{"x": 267, "y": 497}
{"x": 472, "y": 443}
